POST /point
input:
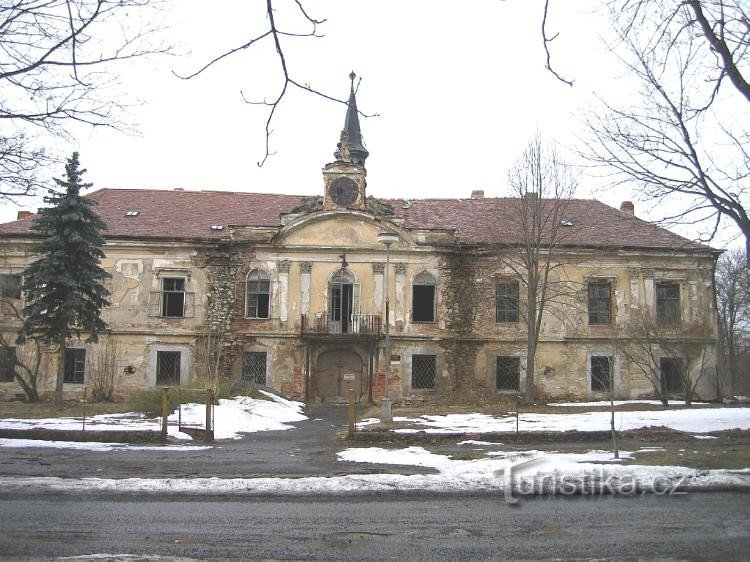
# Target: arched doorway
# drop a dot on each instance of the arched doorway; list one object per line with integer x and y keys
{"x": 332, "y": 370}
{"x": 343, "y": 301}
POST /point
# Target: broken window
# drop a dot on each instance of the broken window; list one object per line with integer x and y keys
{"x": 173, "y": 297}
{"x": 7, "y": 364}
{"x": 668, "y": 304}
{"x": 600, "y": 302}
{"x": 506, "y": 301}
{"x": 423, "y": 371}
{"x": 254, "y": 367}
{"x": 168, "y": 367}
{"x": 75, "y": 365}
{"x": 10, "y": 286}
{"x": 423, "y": 298}
{"x": 671, "y": 375}
{"x": 507, "y": 373}
{"x": 258, "y": 294}
{"x": 600, "y": 373}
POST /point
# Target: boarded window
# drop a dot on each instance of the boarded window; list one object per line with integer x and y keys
{"x": 7, "y": 364}
{"x": 168, "y": 367}
{"x": 10, "y": 286}
{"x": 75, "y": 365}
{"x": 671, "y": 375}
{"x": 258, "y": 294}
{"x": 506, "y": 301}
{"x": 599, "y": 302}
{"x": 423, "y": 298}
{"x": 600, "y": 374}
{"x": 423, "y": 371}
{"x": 173, "y": 297}
{"x": 668, "y": 304}
{"x": 507, "y": 373}
{"x": 254, "y": 367}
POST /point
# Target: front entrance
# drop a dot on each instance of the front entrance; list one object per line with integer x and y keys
{"x": 333, "y": 368}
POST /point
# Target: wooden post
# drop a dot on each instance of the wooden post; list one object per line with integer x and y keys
{"x": 352, "y": 413}
{"x": 84, "y": 409}
{"x": 209, "y": 414}
{"x": 164, "y": 410}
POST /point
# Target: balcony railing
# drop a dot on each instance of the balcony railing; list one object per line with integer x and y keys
{"x": 358, "y": 324}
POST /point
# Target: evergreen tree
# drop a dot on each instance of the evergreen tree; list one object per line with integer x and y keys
{"x": 64, "y": 289}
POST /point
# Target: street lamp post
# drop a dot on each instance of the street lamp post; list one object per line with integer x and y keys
{"x": 387, "y": 239}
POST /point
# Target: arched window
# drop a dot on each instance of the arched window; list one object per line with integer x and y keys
{"x": 423, "y": 298}
{"x": 258, "y": 294}
{"x": 343, "y": 301}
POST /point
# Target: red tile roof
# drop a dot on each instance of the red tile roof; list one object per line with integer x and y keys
{"x": 189, "y": 215}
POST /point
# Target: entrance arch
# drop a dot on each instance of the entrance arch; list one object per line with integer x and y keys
{"x": 331, "y": 369}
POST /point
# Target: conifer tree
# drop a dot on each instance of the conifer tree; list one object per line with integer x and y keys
{"x": 64, "y": 287}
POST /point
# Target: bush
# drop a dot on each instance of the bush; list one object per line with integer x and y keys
{"x": 148, "y": 401}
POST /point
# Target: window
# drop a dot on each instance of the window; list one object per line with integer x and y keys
{"x": 75, "y": 365}
{"x": 507, "y": 373}
{"x": 10, "y": 286}
{"x": 423, "y": 298}
{"x": 173, "y": 297}
{"x": 600, "y": 374}
{"x": 258, "y": 294}
{"x": 506, "y": 301}
{"x": 168, "y": 367}
{"x": 599, "y": 303}
{"x": 668, "y": 304}
{"x": 671, "y": 375}
{"x": 254, "y": 367}
{"x": 7, "y": 364}
{"x": 422, "y": 371}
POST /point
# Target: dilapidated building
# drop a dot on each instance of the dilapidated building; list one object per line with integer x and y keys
{"x": 291, "y": 292}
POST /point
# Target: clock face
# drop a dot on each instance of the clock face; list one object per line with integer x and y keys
{"x": 343, "y": 191}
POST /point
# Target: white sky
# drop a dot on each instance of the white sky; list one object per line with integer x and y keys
{"x": 460, "y": 88}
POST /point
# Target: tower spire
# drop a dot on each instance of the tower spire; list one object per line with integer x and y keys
{"x": 351, "y": 136}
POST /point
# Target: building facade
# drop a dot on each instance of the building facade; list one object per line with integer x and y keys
{"x": 292, "y": 292}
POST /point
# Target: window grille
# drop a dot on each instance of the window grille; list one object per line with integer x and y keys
{"x": 671, "y": 375}
{"x": 7, "y": 364}
{"x": 507, "y": 373}
{"x": 173, "y": 297}
{"x": 75, "y": 365}
{"x": 506, "y": 302}
{"x": 600, "y": 299}
{"x": 10, "y": 286}
{"x": 258, "y": 294}
{"x": 668, "y": 304}
{"x": 423, "y": 371}
{"x": 600, "y": 374}
{"x": 254, "y": 367}
{"x": 423, "y": 298}
{"x": 168, "y": 367}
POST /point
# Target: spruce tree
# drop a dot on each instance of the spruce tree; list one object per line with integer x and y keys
{"x": 64, "y": 287}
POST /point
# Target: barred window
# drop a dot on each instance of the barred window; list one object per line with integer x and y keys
{"x": 168, "y": 367}
{"x": 10, "y": 286}
{"x": 254, "y": 367}
{"x": 507, "y": 373}
{"x": 7, "y": 364}
{"x": 423, "y": 298}
{"x": 258, "y": 294}
{"x": 600, "y": 299}
{"x": 671, "y": 375}
{"x": 506, "y": 301}
{"x": 668, "y": 304}
{"x": 173, "y": 297}
{"x": 600, "y": 374}
{"x": 75, "y": 365}
{"x": 423, "y": 371}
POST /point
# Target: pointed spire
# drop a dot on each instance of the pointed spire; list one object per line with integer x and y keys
{"x": 356, "y": 147}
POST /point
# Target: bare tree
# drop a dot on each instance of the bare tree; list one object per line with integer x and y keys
{"x": 56, "y": 64}
{"x": 27, "y": 359}
{"x": 542, "y": 185}
{"x": 106, "y": 373}
{"x": 733, "y": 296}
{"x": 211, "y": 354}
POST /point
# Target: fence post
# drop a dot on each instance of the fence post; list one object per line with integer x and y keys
{"x": 352, "y": 413}
{"x": 84, "y": 409}
{"x": 209, "y": 416}
{"x": 164, "y": 410}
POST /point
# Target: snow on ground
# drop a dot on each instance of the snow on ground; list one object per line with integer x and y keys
{"x": 697, "y": 420}
{"x": 604, "y": 403}
{"x": 232, "y": 417}
{"x": 96, "y": 446}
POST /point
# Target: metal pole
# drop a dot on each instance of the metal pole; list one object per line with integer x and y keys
{"x": 352, "y": 413}
{"x": 164, "y": 410}
{"x": 386, "y": 415}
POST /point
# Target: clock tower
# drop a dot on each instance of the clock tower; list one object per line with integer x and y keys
{"x": 344, "y": 179}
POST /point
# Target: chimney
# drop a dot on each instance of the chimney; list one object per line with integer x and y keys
{"x": 628, "y": 207}
{"x": 23, "y": 215}
{"x": 477, "y": 194}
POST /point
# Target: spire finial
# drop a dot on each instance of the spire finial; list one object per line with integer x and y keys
{"x": 352, "y": 76}
{"x": 353, "y": 147}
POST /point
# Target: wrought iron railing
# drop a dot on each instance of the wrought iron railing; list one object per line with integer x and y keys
{"x": 358, "y": 324}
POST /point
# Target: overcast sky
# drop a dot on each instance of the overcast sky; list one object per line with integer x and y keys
{"x": 459, "y": 87}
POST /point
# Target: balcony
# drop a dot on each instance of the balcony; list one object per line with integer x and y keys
{"x": 359, "y": 326}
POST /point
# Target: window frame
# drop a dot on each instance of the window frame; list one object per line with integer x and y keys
{"x": 668, "y": 309}
{"x": 663, "y": 378}
{"x": 608, "y": 383}
{"x": 254, "y": 379}
{"x": 424, "y": 279}
{"x": 515, "y": 359}
{"x": 78, "y": 366}
{"x": 5, "y": 287}
{"x": 507, "y": 304}
{"x": 594, "y": 302}
{"x": 420, "y": 357}
{"x": 162, "y": 353}
{"x": 8, "y": 362}
{"x": 165, "y": 296}
{"x": 262, "y": 276}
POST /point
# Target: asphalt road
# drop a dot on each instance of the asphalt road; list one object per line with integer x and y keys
{"x": 709, "y": 525}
